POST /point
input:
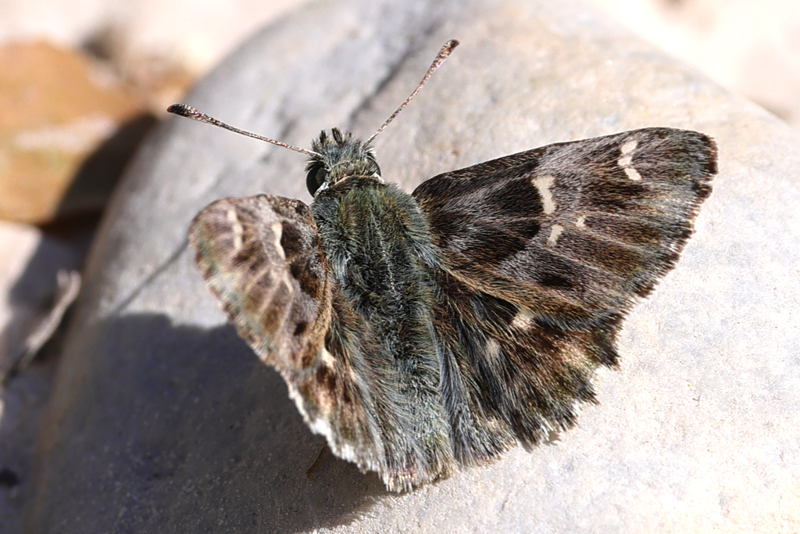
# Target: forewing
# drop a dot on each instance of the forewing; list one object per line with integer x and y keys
{"x": 572, "y": 232}
{"x": 261, "y": 257}
{"x": 543, "y": 253}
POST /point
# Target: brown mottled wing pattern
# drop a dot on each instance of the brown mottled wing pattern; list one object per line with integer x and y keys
{"x": 543, "y": 253}
{"x": 261, "y": 257}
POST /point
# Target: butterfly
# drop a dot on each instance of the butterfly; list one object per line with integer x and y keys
{"x": 419, "y": 333}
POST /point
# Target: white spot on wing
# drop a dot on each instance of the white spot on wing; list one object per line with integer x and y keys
{"x": 628, "y": 147}
{"x": 277, "y": 229}
{"x": 236, "y": 228}
{"x": 327, "y": 358}
{"x": 543, "y": 185}
{"x": 522, "y": 319}
{"x": 555, "y": 233}
{"x": 633, "y": 174}
{"x": 626, "y": 160}
{"x": 492, "y": 348}
{"x": 580, "y": 222}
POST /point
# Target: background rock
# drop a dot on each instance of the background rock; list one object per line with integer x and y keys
{"x": 192, "y": 34}
{"x": 27, "y": 285}
{"x": 163, "y": 420}
{"x": 27, "y": 282}
{"x": 749, "y": 47}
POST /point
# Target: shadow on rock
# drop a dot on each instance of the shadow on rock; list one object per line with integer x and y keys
{"x": 179, "y": 428}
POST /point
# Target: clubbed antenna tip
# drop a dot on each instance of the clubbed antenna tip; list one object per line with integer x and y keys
{"x": 184, "y": 111}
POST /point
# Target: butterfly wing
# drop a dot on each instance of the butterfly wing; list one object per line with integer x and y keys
{"x": 261, "y": 257}
{"x": 544, "y": 252}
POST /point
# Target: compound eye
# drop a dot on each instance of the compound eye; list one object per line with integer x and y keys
{"x": 316, "y": 176}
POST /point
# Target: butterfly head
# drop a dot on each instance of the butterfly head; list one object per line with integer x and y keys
{"x": 338, "y": 156}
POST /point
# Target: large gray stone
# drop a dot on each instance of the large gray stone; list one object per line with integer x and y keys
{"x": 162, "y": 420}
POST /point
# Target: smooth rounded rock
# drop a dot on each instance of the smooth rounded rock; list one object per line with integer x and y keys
{"x": 162, "y": 420}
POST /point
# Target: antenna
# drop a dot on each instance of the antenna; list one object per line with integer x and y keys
{"x": 437, "y": 62}
{"x": 188, "y": 111}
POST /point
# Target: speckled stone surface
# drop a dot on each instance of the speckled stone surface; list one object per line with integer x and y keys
{"x": 163, "y": 420}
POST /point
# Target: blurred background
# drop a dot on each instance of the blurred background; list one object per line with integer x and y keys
{"x": 83, "y": 81}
